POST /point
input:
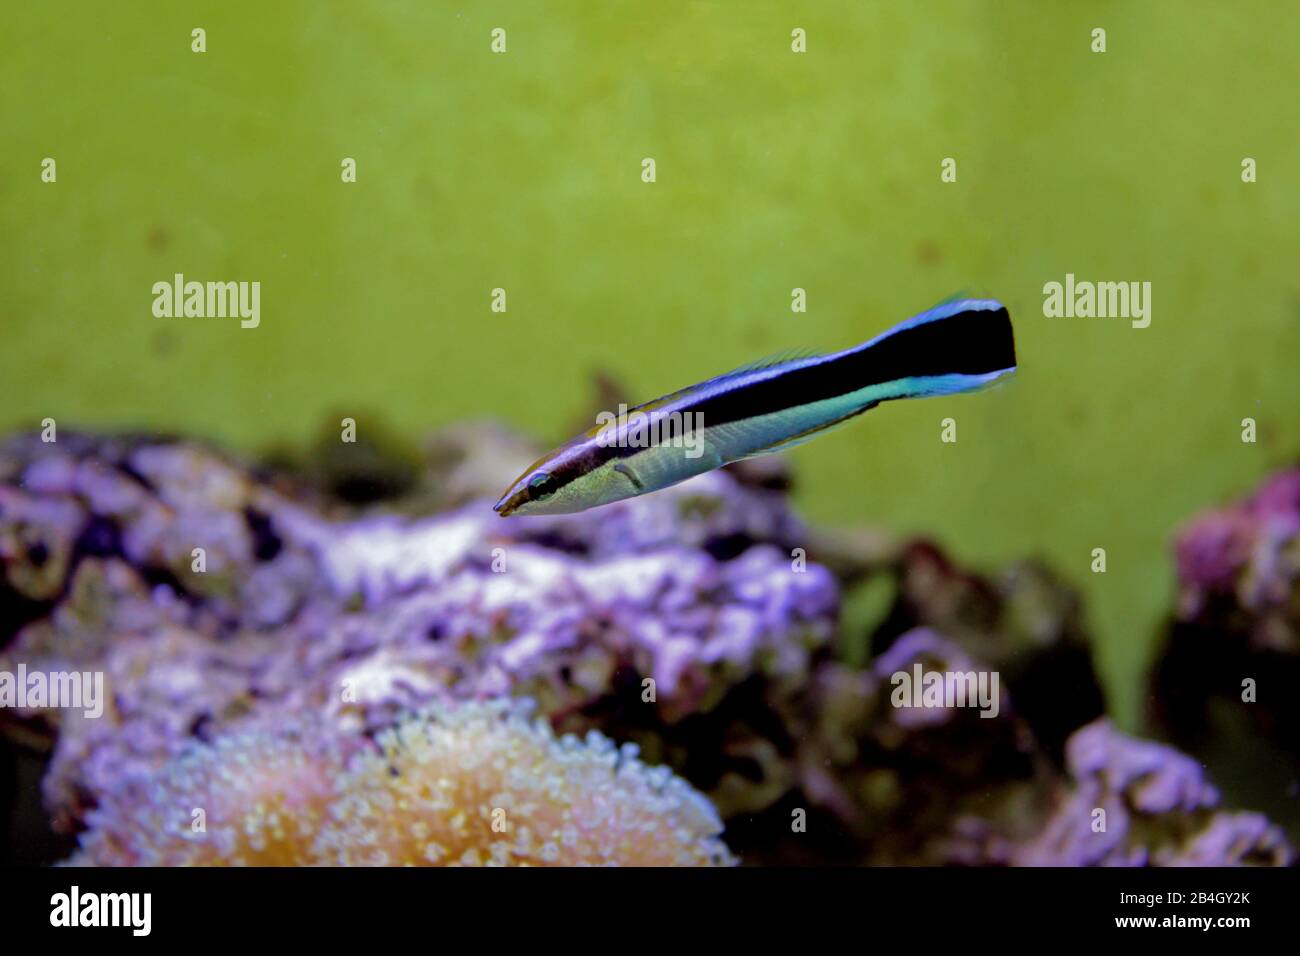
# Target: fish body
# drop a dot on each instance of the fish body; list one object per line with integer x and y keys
{"x": 958, "y": 346}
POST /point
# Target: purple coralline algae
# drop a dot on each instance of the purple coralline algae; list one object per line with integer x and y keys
{"x": 229, "y": 607}
{"x": 359, "y": 619}
{"x": 1224, "y": 688}
{"x": 1138, "y": 803}
{"x": 1247, "y": 556}
{"x": 907, "y": 784}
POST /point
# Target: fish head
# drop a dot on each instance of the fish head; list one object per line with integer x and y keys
{"x": 532, "y": 493}
{"x": 576, "y": 476}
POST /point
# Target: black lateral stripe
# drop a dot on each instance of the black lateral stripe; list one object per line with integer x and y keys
{"x": 972, "y": 342}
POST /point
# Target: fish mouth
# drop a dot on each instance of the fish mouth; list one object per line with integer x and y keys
{"x": 503, "y": 507}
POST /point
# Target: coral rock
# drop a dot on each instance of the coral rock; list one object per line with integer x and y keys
{"x": 1136, "y": 803}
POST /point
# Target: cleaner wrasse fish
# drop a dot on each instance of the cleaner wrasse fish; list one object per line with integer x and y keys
{"x": 958, "y": 346}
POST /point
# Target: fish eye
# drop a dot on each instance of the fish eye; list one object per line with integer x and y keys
{"x": 541, "y": 486}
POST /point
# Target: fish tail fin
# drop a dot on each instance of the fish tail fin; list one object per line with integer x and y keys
{"x": 958, "y": 346}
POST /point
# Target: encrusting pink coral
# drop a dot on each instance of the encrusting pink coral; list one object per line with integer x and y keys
{"x": 473, "y": 784}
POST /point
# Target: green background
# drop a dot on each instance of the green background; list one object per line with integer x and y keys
{"x": 775, "y": 170}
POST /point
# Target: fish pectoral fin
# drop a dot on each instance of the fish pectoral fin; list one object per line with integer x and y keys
{"x": 630, "y": 475}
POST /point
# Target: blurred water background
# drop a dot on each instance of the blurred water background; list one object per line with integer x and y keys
{"x": 774, "y": 171}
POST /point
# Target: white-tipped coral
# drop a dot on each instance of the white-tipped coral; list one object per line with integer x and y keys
{"x": 248, "y": 799}
{"x": 481, "y": 784}
{"x": 474, "y": 784}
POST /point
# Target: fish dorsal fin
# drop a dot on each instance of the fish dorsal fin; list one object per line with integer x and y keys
{"x": 958, "y": 296}
{"x": 786, "y": 357}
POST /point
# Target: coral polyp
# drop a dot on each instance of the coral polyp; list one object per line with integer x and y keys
{"x": 481, "y": 784}
{"x": 255, "y": 798}
{"x": 474, "y": 784}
